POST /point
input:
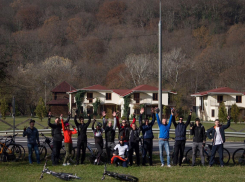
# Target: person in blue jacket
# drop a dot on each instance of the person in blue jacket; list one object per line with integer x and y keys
{"x": 32, "y": 141}
{"x": 164, "y": 136}
{"x": 148, "y": 136}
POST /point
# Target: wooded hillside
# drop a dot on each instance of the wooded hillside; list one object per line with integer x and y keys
{"x": 115, "y": 43}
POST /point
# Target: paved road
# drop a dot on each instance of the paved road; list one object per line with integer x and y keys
{"x": 231, "y": 146}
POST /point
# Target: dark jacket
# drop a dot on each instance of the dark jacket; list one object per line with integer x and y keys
{"x": 57, "y": 129}
{"x": 147, "y": 129}
{"x": 199, "y": 133}
{"x": 109, "y": 131}
{"x": 82, "y": 129}
{"x": 123, "y": 131}
{"x": 180, "y": 129}
{"x": 32, "y": 135}
{"x": 211, "y": 133}
{"x": 134, "y": 136}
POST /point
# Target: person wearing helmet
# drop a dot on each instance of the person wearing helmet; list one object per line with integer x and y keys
{"x": 98, "y": 131}
{"x": 67, "y": 140}
{"x": 122, "y": 150}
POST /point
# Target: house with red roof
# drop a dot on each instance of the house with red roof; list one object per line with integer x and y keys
{"x": 207, "y": 102}
{"x": 113, "y": 99}
{"x": 59, "y": 104}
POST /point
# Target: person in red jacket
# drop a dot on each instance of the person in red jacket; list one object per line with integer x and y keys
{"x": 67, "y": 140}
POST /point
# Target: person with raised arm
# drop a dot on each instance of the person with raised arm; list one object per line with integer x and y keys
{"x": 56, "y": 133}
{"x": 109, "y": 134}
{"x": 148, "y": 136}
{"x": 98, "y": 138}
{"x": 180, "y": 138}
{"x": 32, "y": 140}
{"x": 82, "y": 137}
{"x": 67, "y": 140}
{"x": 217, "y": 135}
{"x": 164, "y": 136}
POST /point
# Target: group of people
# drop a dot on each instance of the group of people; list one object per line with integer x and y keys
{"x": 129, "y": 137}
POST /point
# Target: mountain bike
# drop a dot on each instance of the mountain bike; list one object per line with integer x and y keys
{"x": 63, "y": 176}
{"x": 121, "y": 177}
{"x": 239, "y": 156}
{"x": 49, "y": 142}
{"x": 207, "y": 155}
{"x": 9, "y": 152}
{"x": 12, "y": 141}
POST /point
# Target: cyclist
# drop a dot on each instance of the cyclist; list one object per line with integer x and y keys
{"x": 98, "y": 131}
{"x": 217, "y": 134}
{"x": 82, "y": 136}
{"x": 180, "y": 138}
{"x": 134, "y": 143}
{"x": 57, "y": 137}
{"x": 164, "y": 136}
{"x": 109, "y": 134}
{"x": 123, "y": 129}
{"x": 67, "y": 140}
{"x": 32, "y": 140}
{"x": 199, "y": 140}
{"x": 122, "y": 150}
{"x": 148, "y": 136}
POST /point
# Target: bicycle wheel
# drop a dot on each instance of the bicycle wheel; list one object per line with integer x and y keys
{"x": 188, "y": 156}
{"x": 23, "y": 152}
{"x": 42, "y": 153}
{"x": 239, "y": 157}
{"x": 12, "y": 152}
{"x": 226, "y": 156}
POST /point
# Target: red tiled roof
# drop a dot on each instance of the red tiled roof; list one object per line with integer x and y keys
{"x": 58, "y": 102}
{"x": 222, "y": 90}
{"x": 122, "y": 92}
{"x": 63, "y": 87}
{"x": 95, "y": 87}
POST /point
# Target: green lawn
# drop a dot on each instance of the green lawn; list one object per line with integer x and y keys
{"x": 22, "y": 171}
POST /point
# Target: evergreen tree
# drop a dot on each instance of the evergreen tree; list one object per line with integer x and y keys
{"x": 222, "y": 112}
{"x": 41, "y": 110}
{"x": 235, "y": 112}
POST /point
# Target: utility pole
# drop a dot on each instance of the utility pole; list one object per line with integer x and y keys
{"x": 45, "y": 92}
{"x": 160, "y": 65}
{"x": 13, "y": 109}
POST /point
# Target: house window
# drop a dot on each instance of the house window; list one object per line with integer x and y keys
{"x": 220, "y": 98}
{"x": 155, "y": 96}
{"x": 55, "y": 96}
{"x": 108, "y": 96}
{"x": 137, "y": 98}
{"x": 90, "y": 97}
{"x": 213, "y": 113}
{"x": 238, "y": 99}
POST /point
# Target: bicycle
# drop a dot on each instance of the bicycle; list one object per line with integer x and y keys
{"x": 207, "y": 155}
{"x": 122, "y": 177}
{"x": 12, "y": 141}
{"x": 63, "y": 176}
{"x": 238, "y": 156}
{"x": 9, "y": 152}
{"x": 43, "y": 150}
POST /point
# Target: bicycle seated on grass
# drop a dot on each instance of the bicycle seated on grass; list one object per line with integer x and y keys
{"x": 239, "y": 156}
{"x": 122, "y": 177}
{"x": 9, "y": 151}
{"x": 207, "y": 155}
{"x": 63, "y": 176}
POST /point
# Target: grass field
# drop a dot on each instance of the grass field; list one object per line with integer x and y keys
{"x": 239, "y": 127}
{"x": 22, "y": 171}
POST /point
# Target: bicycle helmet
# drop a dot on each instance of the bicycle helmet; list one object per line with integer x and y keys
{"x": 67, "y": 124}
{"x": 99, "y": 124}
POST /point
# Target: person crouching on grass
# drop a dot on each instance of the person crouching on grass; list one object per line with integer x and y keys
{"x": 68, "y": 141}
{"x": 122, "y": 150}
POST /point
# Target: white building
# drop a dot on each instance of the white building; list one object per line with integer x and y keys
{"x": 207, "y": 102}
{"x": 113, "y": 99}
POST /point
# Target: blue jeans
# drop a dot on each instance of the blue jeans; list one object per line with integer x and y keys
{"x": 124, "y": 163}
{"x": 166, "y": 146}
{"x": 30, "y": 147}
